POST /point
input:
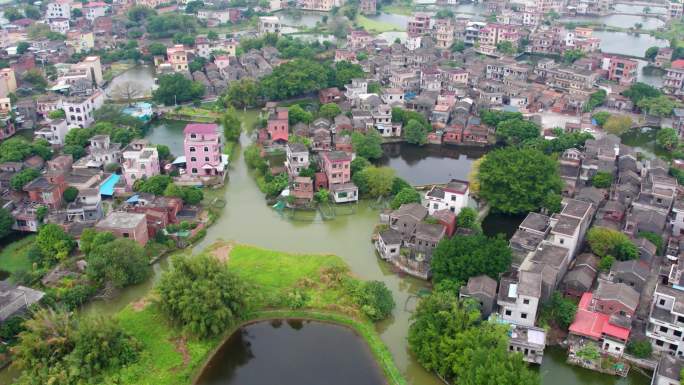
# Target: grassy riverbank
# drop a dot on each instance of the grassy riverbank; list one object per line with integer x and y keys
{"x": 170, "y": 357}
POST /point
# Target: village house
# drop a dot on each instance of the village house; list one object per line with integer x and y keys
{"x": 101, "y": 152}
{"x": 529, "y": 235}
{"x": 203, "y": 149}
{"x": 337, "y": 168}
{"x": 177, "y": 57}
{"x": 278, "y": 125}
{"x": 297, "y": 159}
{"x": 16, "y": 300}
{"x": 620, "y": 70}
{"x": 93, "y": 10}
{"x": 609, "y": 332}
{"x": 519, "y": 296}
{"x": 140, "y": 161}
{"x": 125, "y": 225}
{"x": 54, "y": 132}
{"x": 46, "y": 190}
{"x": 269, "y": 24}
{"x": 580, "y": 278}
{"x": 482, "y": 289}
{"x": 453, "y": 196}
{"x": 80, "y": 109}
{"x": 8, "y": 82}
{"x": 59, "y": 9}
{"x": 668, "y": 371}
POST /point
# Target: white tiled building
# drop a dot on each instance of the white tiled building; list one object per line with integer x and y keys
{"x": 79, "y": 110}
{"x": 454, "y": 196}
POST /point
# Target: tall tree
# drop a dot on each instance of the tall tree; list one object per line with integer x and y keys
{"x": 121, "y": 262}
{"x": 462, "y": 257}
{"x": 368, "y": 146}
{"x": 518, "y": 181}
{"x": 231, "y": 125}
{"x": 415, "y": 132}
{"x": 202, "y": 295}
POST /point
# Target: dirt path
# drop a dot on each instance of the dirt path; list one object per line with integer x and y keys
{"x": 222, "y": 253}
{"x": 182, "y": 347}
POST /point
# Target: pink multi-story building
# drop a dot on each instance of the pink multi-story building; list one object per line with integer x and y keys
{"x": 337, "y": 166}
{"x": 177, "y": 57}
{"x": 140, "y": 160}
{"x": 621, "y": 70}
{"x": 418, "y": 24}
{"x": 278, "y": 125}
{"x": 203, "y": 148}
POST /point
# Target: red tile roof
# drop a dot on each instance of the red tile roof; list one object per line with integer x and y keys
{"x": 595, "y": 325}
{"x": 678, "y": 64}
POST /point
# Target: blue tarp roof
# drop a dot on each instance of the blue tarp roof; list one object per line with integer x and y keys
{"x": 133, "y": 199}
{"x": 107, "y": 188}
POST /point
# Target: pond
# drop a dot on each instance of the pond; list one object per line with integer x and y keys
{"x": 292, "y": 352}
{"x": 141, "y": 76}
{"x": 398, "y": 21}
{"x": 296, "y": 18}
{"x": 619, "y": 21}
{"x": 430, "y": 164}
{"x": 631, "y": 8}
{"x": 644, "y": 141}
{"x": 628, "y": 43}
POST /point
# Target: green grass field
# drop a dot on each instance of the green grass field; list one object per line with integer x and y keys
{"x": 171, "y": 358}
{"x": 14, "y": 257}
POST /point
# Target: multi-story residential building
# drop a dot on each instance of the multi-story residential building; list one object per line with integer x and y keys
{"x": 444, "y": 33}
{"x": 666, "y": 321}
{"x": 89, "y": 68}
{"x": 80, "y": 41}
{"x": 203, "y": 150}
{"x": 472, "y": 31}
{"x": 202, "y": 47}
{"x": 507, "y": 68}
{"x": 668, "y": 371}
{"x": 356, "y": 88}
{"x": 278, "y": 125}
{"x": 46, "y": 189}
{"x": 93, "y": 10}
{"x": 59, "y": 9}
{"x": 493, "y": 34}
{"x": 368, "y": 7}
{"x": 337, "y": 166}
{"x": 518, "y": 298}
{"x": 80, "y": 109}
{"x": 453, "y": 196}
{"x": 358, "y": 39}
{"x": 418, "y": 24}
{"x": 54, "y": 132}
{"x": 319, "y": 5}
{"x": 571, "y": 80}
{"x": 570, "y": 226}
{"x": 59, "y": 25}
{"x": 621, "y": 70}
{"x": 674, "y": 77}
{"x": 177, "y": 57}
{"x": 8, "y": 82}
{"x": 140, "y": 161}
{"x": 675, "y": 9}
{"x": 269, "y": 24}
{"x": 297, "y": 159}
{"x": 611, "y": 332}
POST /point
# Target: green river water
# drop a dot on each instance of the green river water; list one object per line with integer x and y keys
{"x": 247, "y": 219}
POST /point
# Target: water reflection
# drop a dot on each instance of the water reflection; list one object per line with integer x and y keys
{"x": 431, "y": 163}
{"x": 295, "y": 352}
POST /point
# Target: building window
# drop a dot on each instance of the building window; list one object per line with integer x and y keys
{"x": 125, "y": 235}
{"x": 523, "y": 315}
{"x": 193, "y": 159}
{"x": 663, "y": 329}
{"x": 526, "y": 302}
{"x": 192, "y": 149}
{"x": 508, "y": 312}
{"x": 661, "y": 302}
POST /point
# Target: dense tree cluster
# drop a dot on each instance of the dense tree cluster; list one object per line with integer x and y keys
{"x": 368, "y": 145}
{"x": 608, "y": 242}
{"x": 118, "y": 261}
{"x": 373, "y": 297}
{"x": 461, "y": 257}
{"x": 59, "y": 348}
{"x": 223, "y": 295}
{"x": 176, "y": 88}
{"x": 448, "y": 338}
{"x": 518, "y": 181}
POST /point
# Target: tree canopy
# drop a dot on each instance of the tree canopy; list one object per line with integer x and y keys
{"x": 404, "y": 196}
{"x": 638, "y": 91}
{"x": 121, "y": 262}
{"x": 667, "y": 138}
{"x": 176, "y": 88}
{"x": 375, "y": 181}
{"x": 368, "y": 145}
{"x": 202, "y": 295}
{"x": 58, "y": 348}
{"x": 231, "y": 125}
{"x": 604, "y": 241}
{"x": 415, "y": 132}
{"x": 447, "y": 337}
{"x": 518, "y": 181}
{"x": 461, "y": 257}
{"x": 53, "y": 243}
{"x": 618, "y": 124}
{"x": 516, "y": 131}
